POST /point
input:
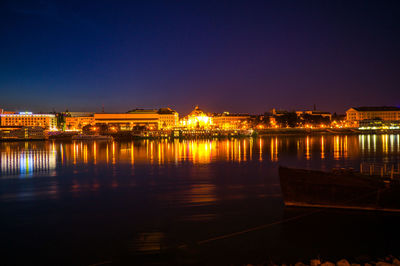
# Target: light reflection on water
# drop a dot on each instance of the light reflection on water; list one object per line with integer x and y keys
{"x": 30, "y": 159}
{"x": 95, "y": 166}
{"x": 27, "y": 162}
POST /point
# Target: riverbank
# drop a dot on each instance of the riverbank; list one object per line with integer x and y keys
{"x": 306, "y": 131}
{"x": 328, "y": 131}
{"x": 213, "y": 134}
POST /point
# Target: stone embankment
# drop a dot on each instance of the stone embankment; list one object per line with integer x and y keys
{"x": 388, "y": 261}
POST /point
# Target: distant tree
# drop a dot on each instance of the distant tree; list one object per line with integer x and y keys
{"x": 102, "y": 129}
{"x": 139, "y": 128}
{"x": 336, "y": 117}
{"x": 87, "y": 130}
{"x": 315, "y": 119}
{"x": 289, "y": 119}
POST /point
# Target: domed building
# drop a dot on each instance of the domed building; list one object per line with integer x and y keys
{"x": 197, "y": 119}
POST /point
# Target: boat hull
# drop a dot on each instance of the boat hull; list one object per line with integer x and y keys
{"x": 345, "y": 190}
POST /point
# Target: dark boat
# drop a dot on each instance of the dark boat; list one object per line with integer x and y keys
{"x": 345, "y": 189}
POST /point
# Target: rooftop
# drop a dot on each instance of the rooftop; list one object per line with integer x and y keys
{"x": 197, "y": 112}
{"x": 142, "y": 111}
{"x": 78, "y": 114}
{"x": 166, "y": 111}
{"x": 229, "y": 114}
{"x": 377, "y": 108}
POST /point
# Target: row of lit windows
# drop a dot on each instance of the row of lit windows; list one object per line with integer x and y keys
{"x": 23, "y": 122}
{"x": 20, "y": 124}
{"x": 370, "y": 115}
{"x": 24, "y": 118}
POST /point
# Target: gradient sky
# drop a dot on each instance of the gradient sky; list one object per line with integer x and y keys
{"x": 239, "y": 56}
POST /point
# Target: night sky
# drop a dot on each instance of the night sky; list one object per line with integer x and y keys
{"x": 239, "y": 56}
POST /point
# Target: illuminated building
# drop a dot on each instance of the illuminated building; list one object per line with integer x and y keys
{"x": 168, "y": 118}
{"x": 142, "y": 111}
{"x": 150, "y": 119}
{"x": 373, "y": 124}
{"x": 315, "y": 113}
{"x": 74, "y": 121}
{"x": 197, "y": 119}
{"x": 386, "y": 113}
{"x": 127, "y": 121}
{"x": 15, "y": 132}
{"x": 78, "y": 114}
{"x": 275, "y": 112}
{"x": 339, "y": 121}
{"x": 27, "y": 119}
{"x": 272, "y": 122}
{"x": 310, "y": 119}
{"x": 282, "y": 118}
{"x": 230, "y": 121}
{"x": 77, "y": 123}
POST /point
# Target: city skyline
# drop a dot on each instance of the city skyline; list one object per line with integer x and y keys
{"x": 238, "y": 56}
{"x": 267, "y": 111}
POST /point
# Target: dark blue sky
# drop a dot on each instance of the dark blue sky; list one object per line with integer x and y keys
{"x": 240, "y": 56}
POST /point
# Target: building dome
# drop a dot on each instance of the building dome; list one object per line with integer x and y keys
{"x": 197, "y": 119}
{"x": 197, "y": 112}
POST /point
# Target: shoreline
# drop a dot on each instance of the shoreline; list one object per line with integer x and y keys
{"x": 224, "y": 135}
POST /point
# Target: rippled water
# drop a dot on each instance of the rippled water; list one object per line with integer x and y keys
{"x": 182, "y": 202}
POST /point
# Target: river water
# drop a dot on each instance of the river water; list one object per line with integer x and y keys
{"x": 183, "y": 202}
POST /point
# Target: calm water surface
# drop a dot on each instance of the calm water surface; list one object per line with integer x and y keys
{"x": 169, "y": 202}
